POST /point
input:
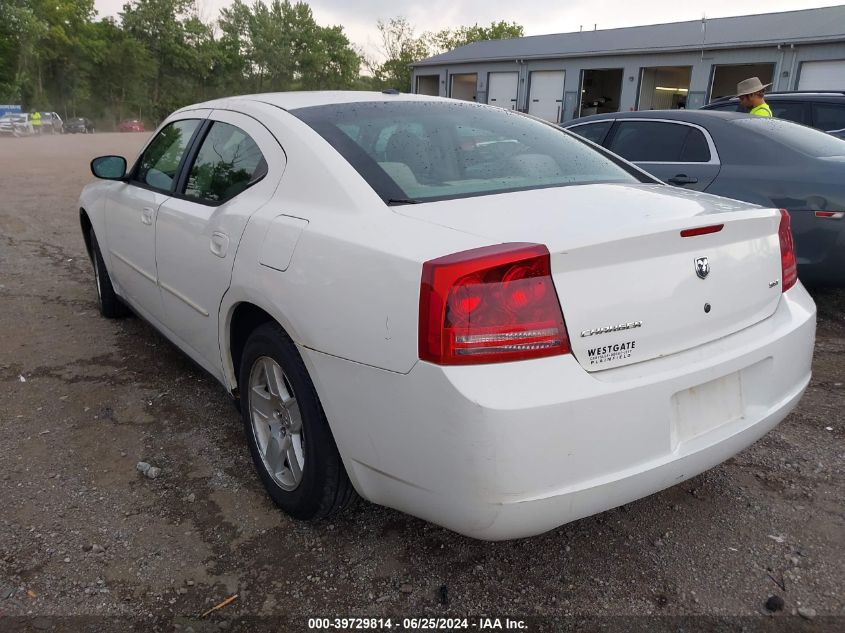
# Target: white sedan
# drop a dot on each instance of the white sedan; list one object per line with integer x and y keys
{"x": 451, "y": 309}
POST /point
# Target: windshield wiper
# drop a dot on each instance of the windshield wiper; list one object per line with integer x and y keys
{"x": 393, "y": 201}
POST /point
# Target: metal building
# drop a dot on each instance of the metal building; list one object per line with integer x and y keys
{"x": 683, "y": 64}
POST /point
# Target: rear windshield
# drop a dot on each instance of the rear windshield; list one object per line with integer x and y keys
{"x": 425, "y": 151}
{"x": 799, "y": 137}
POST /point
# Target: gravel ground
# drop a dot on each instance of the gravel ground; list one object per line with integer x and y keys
{"x": 83, "y": 534}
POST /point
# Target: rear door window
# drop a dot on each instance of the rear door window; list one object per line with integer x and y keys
{"x": 659, "y": 142}
{"x": 695, "y": 148}
{"x": 594, "y": 132}
{"x": 829, "y": 117}
{"x": 227, "y": 162}
{"x": 789, "y": 110}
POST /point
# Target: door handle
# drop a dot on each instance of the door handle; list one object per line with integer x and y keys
{"x": 682, "y": 179}
{"x": 147, "y": 215}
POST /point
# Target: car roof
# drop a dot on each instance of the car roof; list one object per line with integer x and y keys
{"x": 802, "y": 95}
{"x": 701, "y": 117}
{"x": 305, "y": 99}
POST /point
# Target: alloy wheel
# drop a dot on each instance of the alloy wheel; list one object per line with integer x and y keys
{"x": 276, "y": 423}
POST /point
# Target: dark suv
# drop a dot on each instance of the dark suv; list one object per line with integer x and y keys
{"x": 824, "y": 110}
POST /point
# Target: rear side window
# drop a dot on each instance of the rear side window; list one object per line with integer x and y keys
{"x": 594, "y": 132}
{"x": 160, "y": 161}
{"x": 228, "y": 162}
{"x": 657, "y": 141}
{"x": 798, "y": 137}
{"x": 789, "y": 110}
{"x": 429, "y": 150}
{"x": 829, "y": 116}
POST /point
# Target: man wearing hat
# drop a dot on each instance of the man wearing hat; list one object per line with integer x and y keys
{"x": 750, "y": 93}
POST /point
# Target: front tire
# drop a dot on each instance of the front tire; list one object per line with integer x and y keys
{"x": 288, "y": 435}
{"x": 109, "y": 303}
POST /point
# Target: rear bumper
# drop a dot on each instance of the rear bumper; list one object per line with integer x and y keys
{"x": 516, "y": 449}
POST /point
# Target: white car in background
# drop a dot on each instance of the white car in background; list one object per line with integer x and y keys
{"x": 452, "y": 309}
{"x": 16, "y": 124}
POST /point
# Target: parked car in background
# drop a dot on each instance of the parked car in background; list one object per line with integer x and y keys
{"x": 131, "y": 125}
{"x": 16, "y": 124}
{"x": 822, "y": 110}
{"x": 51, "y": 123}
{"x": 460, "y": 311}
{"x": 79, "y": 125}
{"x": 770, "y": 162}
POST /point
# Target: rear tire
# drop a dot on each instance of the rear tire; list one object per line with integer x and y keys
{"x": 109, "y": 303}
{"x": 288, "y": 435}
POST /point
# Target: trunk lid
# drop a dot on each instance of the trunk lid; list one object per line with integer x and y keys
{"x": 625, "y": 278}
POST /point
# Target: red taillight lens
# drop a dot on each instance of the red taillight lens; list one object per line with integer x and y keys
{"x": 787, "y": 252}
{"x": 702, "y": 230}
{"x": 488, "y": 305}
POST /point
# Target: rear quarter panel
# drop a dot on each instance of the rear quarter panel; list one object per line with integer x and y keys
{"x": 802, "y": 187}
{"x": 352, "y": 287}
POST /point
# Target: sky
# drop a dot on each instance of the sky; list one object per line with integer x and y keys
{"x": 539, "y": 17}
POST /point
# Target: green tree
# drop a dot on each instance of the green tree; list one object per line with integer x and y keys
{"x": 42, "y": 46}
{"x": 400, "y": 48}
{"x": 9, "y": 53}
{"x": 168, "y": 29}
{"x": 235, "y": 51}
{"x": 280, "y": 46}
{"x": 124, "y": 70}
{"x": 447, "y": 40}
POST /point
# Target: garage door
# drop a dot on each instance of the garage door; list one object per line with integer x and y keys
{"x": 822, "y": 75}
{"x": 545, "y": 94}
{"x": 501, "y": 89}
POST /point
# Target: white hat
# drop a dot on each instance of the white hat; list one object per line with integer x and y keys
{"x": 750, "y": 86}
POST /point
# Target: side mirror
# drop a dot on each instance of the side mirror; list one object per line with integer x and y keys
{"x": 109, "y": 167}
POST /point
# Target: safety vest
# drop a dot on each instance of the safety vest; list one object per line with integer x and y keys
{"x": 36, "y": 119}
{"x": 762, "y": 110}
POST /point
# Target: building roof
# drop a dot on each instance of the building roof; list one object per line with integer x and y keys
{"x": 788, "y": 27}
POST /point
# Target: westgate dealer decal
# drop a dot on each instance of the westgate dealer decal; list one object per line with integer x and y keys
{"x": 610, "y": 353}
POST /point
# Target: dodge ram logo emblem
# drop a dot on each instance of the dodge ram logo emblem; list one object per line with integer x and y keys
{"x": 702, "y": 267}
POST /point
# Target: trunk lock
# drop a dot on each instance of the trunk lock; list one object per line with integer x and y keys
{"x": 706, "y": 308}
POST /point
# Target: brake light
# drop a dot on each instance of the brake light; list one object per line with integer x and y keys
{"x": 833, "y": 215}
{"x": 702, "y": 230}
{"x": 488, "y": 305}
{"x": 788, "y": 264}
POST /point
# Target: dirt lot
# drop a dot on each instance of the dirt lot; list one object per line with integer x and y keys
{"x": 83, "y": 534}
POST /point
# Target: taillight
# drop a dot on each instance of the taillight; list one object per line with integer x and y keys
{"x": 490, "y": 304}
{"x": 788, "y": 264}
{"x": 702, "y": 230}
